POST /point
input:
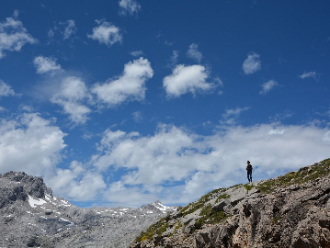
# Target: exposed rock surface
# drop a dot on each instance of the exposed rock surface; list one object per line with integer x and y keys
{"x": 289, "y": 211}
{"x": 31, "y": 216}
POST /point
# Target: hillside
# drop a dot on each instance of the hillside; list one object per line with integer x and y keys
{"x": 292, "y": 210}
{"x": 32, "y": 216}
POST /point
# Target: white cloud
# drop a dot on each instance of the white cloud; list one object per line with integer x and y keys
{"x": 70, "y": 96}
{"x": 266, "y": 87}
{"x": 106, "y": 33}
{"x": 193, "y": 53}
{"x": 45, "y": 64}
{"x": 186, "y": 79}
{"x": 130, "y": 86}
{"x": 2, "y": 109}
{"x": 137, "y": 53}
{"x": 30, "y": 144}
{"x": 177, "y": 166}
{"x": 129, "y": 7}
{"x": 5, "y": 89}
{"x": 311, "y": 74}
{"x": 13, "y": 36}
{"x": 252, "y": 63}
{"x": 76, "y": 182}
{"x": 70, "y": 29}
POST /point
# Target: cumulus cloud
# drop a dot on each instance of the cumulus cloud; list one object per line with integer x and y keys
{"x": 13, "y": 35}
{"x": 266, "y": 87}
{"x": 77, "y": 182}
{"x": 129, "y": 7}
{"x": 106, "y": 33}
{"x": 252, "y": 63}
{"x": 186, "y": 79}
{"x": 130, "y": 86}
{"x": 70, "y": 29}
{"x": 311, "y": 74}
{"x": 45, "y": 64}
{"x": 30, "y": 143}
{"x": 5, "y": 89}
{"x": 194, "y": 53}
{"x": 70, "y": 96}
{"x": 176, "y": 165}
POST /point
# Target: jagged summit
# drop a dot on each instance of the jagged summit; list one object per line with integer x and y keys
{"x": 158, "y": 207}
{"x": 292, "y": 210}
{"x": 30, "y": 215}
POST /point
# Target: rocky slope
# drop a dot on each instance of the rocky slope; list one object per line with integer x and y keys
{"x": 31, "y": 216}
{"x": 289, "y": 211}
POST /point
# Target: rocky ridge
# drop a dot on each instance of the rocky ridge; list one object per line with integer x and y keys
{"x": 292, "y": 210}
{"x": 31, "y": 216}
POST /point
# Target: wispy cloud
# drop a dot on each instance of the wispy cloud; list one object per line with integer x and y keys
{"x": 186, "y": 79}
{"x": 137, "y": 116}
{"x": 174, "y": 59}
{"x": 130, "y": 7}
{"x": 194, "y": 53}
{"x": 231, "y": 115}
{"x": 13, "y": 35}
{"x": 130, "y": 86}
{"x": 266, "y": 87}
{"x": 70, "y": 29}
{"x": 45, "y": 64}
{"x": 106, "y": 33}
{"x": 5, "y": 89}
{"x": 136, "y": 53}
{"x": 252, "y": 63}
{"x": 310, "y": 74}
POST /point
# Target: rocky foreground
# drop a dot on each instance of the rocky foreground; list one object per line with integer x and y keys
{"x": 289, "y": 211}
{"x": 31, "y": 216}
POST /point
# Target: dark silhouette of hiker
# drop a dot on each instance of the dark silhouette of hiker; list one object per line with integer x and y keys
{"x": 249, "y": 171}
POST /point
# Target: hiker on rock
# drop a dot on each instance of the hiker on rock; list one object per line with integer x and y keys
{"x": 249, "y": 171}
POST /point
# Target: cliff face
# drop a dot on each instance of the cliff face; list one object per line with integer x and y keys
{"x": 31, "y": 216}
{"x": 289, "y": 211}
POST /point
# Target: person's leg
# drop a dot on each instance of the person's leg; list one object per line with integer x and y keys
{"x": 248, "y": 176}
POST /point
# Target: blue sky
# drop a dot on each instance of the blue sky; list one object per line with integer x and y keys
{"x": 121, "y": 103}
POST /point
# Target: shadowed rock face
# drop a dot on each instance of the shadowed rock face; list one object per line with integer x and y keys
{"x": 31, "y": 216}
{"x": 289, "y": 211}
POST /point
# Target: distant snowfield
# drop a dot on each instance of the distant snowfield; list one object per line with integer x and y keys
{"x": 34, "y": 203}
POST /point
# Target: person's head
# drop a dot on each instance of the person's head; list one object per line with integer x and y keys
{"x": 248, "y": 162}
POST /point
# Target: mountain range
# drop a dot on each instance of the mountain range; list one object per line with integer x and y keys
{"x": 32, "y": 216}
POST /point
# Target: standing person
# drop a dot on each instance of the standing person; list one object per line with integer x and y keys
{"x": 249, "y": 171}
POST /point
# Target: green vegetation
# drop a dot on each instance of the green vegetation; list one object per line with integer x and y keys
{"x": 248, "y": 187}
{"x": 156, "y": 229}
{"x": 192, "y": 207}
{"x": 223, "y": 196}
{"x": 210, "y": 216}
{"x": 296, "y": 178}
